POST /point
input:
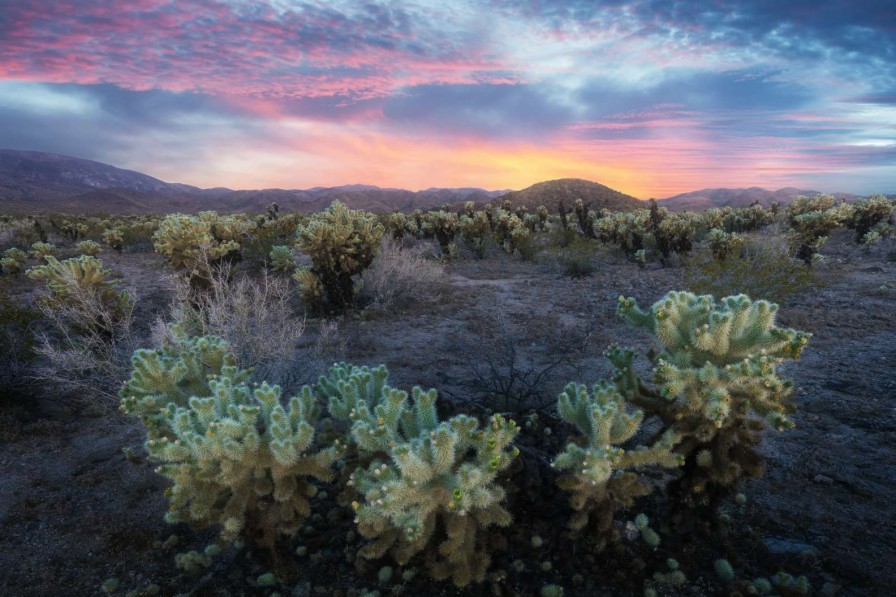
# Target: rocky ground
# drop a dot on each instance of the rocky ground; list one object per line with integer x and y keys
{"x": 75, "y": 511}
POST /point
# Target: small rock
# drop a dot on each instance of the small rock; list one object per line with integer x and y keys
{"x": 822, "y": 479}
{"x": 830, "y": 589}
{"x": 785, "y": 547}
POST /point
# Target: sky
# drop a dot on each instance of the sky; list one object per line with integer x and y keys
{"x": 650, "y": 97}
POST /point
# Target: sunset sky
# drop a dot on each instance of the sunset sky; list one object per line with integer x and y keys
{"x": 650, "y": 97}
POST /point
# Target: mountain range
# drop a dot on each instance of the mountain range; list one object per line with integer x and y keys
{"x": 33, "y": 181}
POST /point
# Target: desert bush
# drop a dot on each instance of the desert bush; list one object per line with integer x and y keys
{"x": 21, "y": 233}
{"x": 87, "y": 350}
{"x": 724, "y": 244}
{"x": 400, "y": 277}
{"x": 577, "y": 259}
{"x": 18, "y": 323}
{"x": 254, "y": 315}
{"x": 341, "y": 243}
{"x": 761, "y": 267}
{"x": 268, "y": 232}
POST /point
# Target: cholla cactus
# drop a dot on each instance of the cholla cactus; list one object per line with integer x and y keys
{"x": 443, "y": 226}
{"x": 428, "y": 478}
{"x": 341, "y": 243}
{"x": 282, "y": 259}
{"x": 869, "y": 213}
{"x": 13, "y": 260}
{"x": 82, "y": 282}
{"x": 89, "y": 247}
{"x": 675, "y": 233}
{"x": 399, "y": 225}
{"x": 241, "y": 460}
{"x": 600, "y": 478}
{"x": 189, "y": 241}
{"x": 168, "y": 377}
{"x": 475, "y": 231}
{"x": 114, "y": 237}
{"x": 41, "y": 251}
{"x": 717, "y": 381}
{"x": 724, "y": 244}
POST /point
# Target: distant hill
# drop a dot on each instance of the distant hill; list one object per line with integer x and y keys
{"x": 706, "y": 198}
{"x": 33, "y": 181}
{"x": 567, "y": 190}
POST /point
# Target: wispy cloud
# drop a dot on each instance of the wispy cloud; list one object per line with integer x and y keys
{"x": 653, "y": 97}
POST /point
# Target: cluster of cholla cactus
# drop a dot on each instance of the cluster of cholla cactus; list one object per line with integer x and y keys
{"x": 475, "y": 230}
{"x": 811, "y": 221}
{"x": 724, "y": 244}
{"x": 341, "y": 243}
{"x": 70, "y": 229}
{"x": 282, "y": 259}
{"x": 716, "y": 383}
{"x": 600, "y": 472}
{"x": 89, "y": 247}
{"x": 13, "y": 261}
{"x": 428, "y": 480}
{"x": 114, "y": 237}
{"x": 81, "y": 286}
{"x": 443, "y": 226}
{"x": 238, "y": 458}
{"x": 42, "y": 250}
{"x": 192, "y": 243}
{"x": 867, "y": 217}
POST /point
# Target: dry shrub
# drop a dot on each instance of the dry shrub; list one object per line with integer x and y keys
{"x": 87, "y": 350}
{"x": 764, "y": 267}
{"x": 254, "y": 314}
{"x": 399, "y": 277}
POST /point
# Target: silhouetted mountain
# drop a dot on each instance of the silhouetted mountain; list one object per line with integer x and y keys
{"x": 32, "y": 181}
{"x": 567, "y": 190}
{"x": 706, "y": 198}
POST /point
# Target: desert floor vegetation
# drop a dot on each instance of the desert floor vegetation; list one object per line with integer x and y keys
{"x": 83, "y": 510}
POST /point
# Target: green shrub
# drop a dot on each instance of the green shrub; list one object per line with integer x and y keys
{"x": 282, "y": 259}
{"x": 577, "y": 259}
{"x": 755, "y": 270}
{"x": 341, "y": 243}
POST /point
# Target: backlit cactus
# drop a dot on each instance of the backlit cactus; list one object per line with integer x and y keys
{"x": 434, "y": 489}
{"x": 600, "y": 476}
{"x": 341, "y": 243}
{"x": 89, "y": 247}
{"x": 189, "y": 242}
{"x": 13, "y": 261}
{"x": 242, "y": 461}
{"x": 42, "y": 250}
{"x": 716, "y": 381}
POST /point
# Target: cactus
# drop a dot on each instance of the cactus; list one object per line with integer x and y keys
{"x": 282, "y": 258}
{"x": 717, "y": 383}
{"x": 114, "y": 238}
{"x": 190, "y": 241}
{"x": 866, "y": 214}
{"x": 89, "y": 247}
{"x": 41, "y": 251}
{"x": 341, "y": 243}
{"x": 240, "y": 460}
{"x": 443, "y": 226}
{"x": 13, "y": 260}
{"x": 475, "y": 232}
{"x": 81, "y": 284}
{"x": 600, "y": 478}
{"x": 724, "y": 244}
{"x": 168, "y": 377}
{"x": 425, "y": 479}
